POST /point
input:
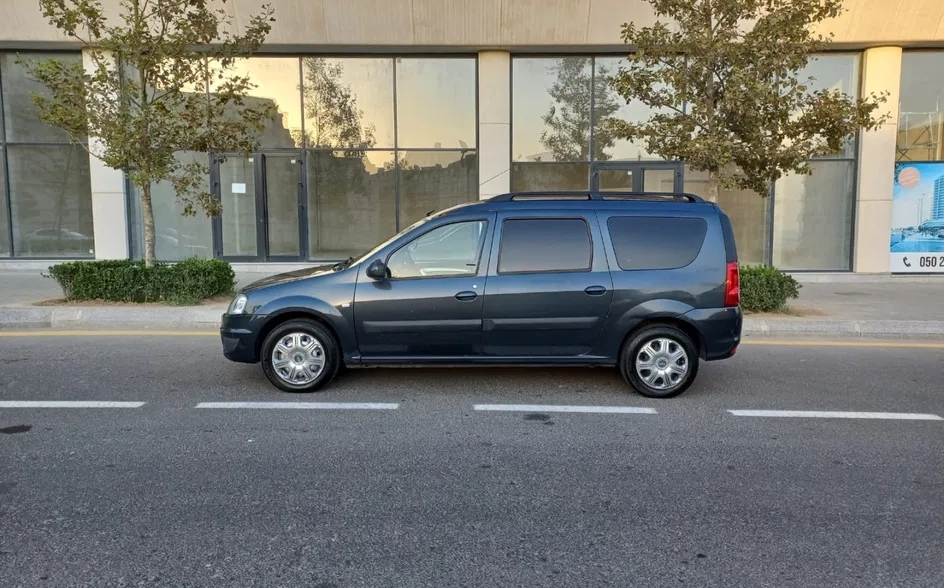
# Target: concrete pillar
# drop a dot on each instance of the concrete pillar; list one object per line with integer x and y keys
{"x": 881, "y": 72}
{"x": 109, "y": 205}
{"x": 494, "y": 123}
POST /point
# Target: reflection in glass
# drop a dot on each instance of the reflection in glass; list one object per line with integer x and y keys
{"x": 21, "y": 120}
{"x": 449, "y": 250}
{"x": 176, "y": 237}
{"x": 239, "y": 216}
{"x": 436, "y": 103}
{"x": 351, "y": 202}
{"x": 813, "y": 218}
{"x": 838, "y": 71}
{"x": 620, "y": 180}
{"x": 276, "y": 80}
{"x": 921, "y": 118}
{"x": 607, "y": 104}
{"x": 348, "y": 102}
{"x": 748, "y": 213}
{"x": 435, "y": 180}
{"x": 659, "y": 180}
{"x": 281, "y": 192}
{"x": 551, "y": 109}
{"x": 51, "y": 200}
{"x": 4, "y": 220}
{"x": 527, "y": 177}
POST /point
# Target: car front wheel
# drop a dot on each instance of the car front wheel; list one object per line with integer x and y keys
{"x": 659, "y": 362}
{"x": 300, "y": 356}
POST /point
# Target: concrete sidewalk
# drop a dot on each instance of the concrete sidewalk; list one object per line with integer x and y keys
{"x": 849, "y": 307}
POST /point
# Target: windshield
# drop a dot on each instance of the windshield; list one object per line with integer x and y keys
{"x": 374, "y": 251}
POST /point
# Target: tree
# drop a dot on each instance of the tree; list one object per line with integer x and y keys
{"x": 568, "y": 120}
{"x": 723, "y": 76}
{"x": 158, "y": 81}
{"x": 332, "y": 118}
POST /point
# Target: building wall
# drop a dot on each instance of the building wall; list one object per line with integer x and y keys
{"x": 346, "y": 24}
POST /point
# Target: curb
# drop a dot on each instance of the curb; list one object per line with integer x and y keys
{"x": 842, "y": 328}
{"x": 208, "y": 318}
{"x": 111, "y": 317}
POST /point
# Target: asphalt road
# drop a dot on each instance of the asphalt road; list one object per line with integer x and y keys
{"x": 421, "y": 488}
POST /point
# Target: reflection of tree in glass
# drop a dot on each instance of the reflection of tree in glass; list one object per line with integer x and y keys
{"x": 332, "y": 118}
{"x": 568, "y": 120}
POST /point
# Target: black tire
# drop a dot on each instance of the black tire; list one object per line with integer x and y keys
{"x": 663, "y": 386}
{"x": 305, "y": 328}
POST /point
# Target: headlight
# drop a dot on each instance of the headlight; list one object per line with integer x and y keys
{"x": 238, "y": 305}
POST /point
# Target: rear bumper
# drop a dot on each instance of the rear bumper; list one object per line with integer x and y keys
{"x": 720, "y": 329}
{"x": 238, "y": 334}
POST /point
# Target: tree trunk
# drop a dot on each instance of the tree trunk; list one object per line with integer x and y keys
{"x": 713, "y": 188}
{"x": 147, "y": 214}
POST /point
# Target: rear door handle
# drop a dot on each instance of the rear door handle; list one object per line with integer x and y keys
{"x": 595, "y": 290}
{"x": 467, "y": 295}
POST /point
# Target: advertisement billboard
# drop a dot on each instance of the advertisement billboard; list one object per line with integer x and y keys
{"x": 917, "y": 239}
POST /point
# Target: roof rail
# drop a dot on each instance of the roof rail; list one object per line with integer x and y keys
{"x": 590, "y": 195}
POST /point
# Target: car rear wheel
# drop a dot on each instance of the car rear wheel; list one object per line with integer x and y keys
{"x": 300, "y": 356}
{"x": 659, "y": 362}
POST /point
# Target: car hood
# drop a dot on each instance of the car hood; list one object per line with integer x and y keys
{"x": 293, "y": 276}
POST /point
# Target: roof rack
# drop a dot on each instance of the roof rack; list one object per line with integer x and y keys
{"x": 591, "y": 195}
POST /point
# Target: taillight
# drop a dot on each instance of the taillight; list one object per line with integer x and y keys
{"x": 732, "y": 285}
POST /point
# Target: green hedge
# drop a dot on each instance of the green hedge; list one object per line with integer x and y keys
{"x": 185, "y": 282}
{"x": 765, "y": 288}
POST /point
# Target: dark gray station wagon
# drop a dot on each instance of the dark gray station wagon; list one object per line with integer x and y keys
{"x": 645, "y": 282}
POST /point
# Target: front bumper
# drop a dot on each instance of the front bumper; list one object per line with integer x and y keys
{"x": 720, "y": 329}
{"x": 238, "y": 334}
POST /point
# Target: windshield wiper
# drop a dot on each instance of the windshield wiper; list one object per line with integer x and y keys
{"x": 342, "y": 264}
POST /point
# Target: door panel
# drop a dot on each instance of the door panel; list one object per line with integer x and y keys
{"x": 240, "y": 218}
{"x": 431, "y": 305}
{"x": 262, "y": 200}
{"x": 540, "y": 298}
{"x": 282, "y": 181}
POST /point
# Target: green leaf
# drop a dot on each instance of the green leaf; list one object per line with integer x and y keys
{"x": 723, "y": 79}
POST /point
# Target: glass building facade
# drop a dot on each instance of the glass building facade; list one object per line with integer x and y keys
{"x": 365, "y": 145}
{"x": 45, "y": 186}
{"x": 559, "y": 141}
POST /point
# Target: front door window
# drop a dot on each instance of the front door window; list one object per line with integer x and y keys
{"x": 449, "y": 250}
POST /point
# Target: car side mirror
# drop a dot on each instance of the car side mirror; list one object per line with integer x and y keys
{"x": 377, "y": 270}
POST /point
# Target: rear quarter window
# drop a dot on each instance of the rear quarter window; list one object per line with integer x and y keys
{"x": 647, "y": 243}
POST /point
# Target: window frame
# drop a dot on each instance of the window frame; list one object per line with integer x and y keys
{"x": 616, "y": 255}
{"x": 478, "y": 261}
{"x": 501, "y": 245}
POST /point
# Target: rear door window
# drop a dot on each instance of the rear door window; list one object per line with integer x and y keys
{"x": 646, "y": 242}
{"x": 541, "y": 245}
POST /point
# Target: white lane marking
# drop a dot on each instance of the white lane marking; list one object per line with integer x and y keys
{"x": 302, "y": 405}
{"x": 825, "y": 414}
{"x": 559, "y": 408}
{"x": 67, "y": 404}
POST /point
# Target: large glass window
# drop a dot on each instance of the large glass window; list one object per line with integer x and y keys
{"x": 436, "y": 103}
{"x": 813, "y": 218}
{"x": 176, "y": 237}
{"x": 352, "y": 201}
{"x": 749, "y": 214}
{"x": 385, "y": 140}
{"x": 348, "y": 102}
{"x": 921, "y": 116}
{"x": 385, "y": 158}
{"x": 49, "y": 199}
{"x": 560, "y": 107}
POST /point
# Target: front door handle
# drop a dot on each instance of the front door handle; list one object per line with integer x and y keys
{"x": 467, "y": 295}
{"x": 595, "y": 290}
